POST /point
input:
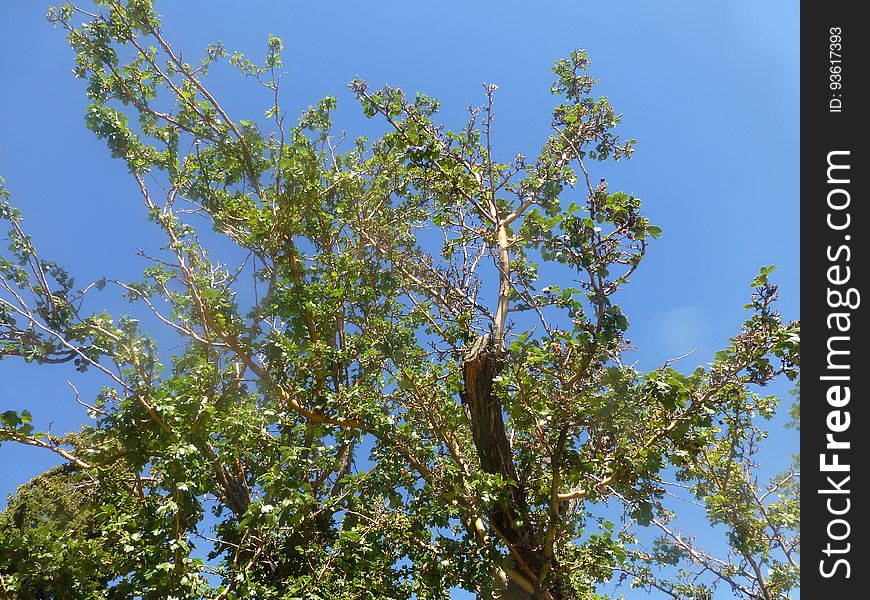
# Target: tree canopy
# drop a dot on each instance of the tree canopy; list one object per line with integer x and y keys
{"x": 398, "y": 361}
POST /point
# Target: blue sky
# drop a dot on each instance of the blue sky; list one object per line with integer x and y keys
{"x": 709, "y": 90}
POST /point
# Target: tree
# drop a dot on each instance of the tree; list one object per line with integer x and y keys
{"x": 385, "y": 387}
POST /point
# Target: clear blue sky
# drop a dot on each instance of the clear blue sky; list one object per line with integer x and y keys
{"x": 709, "y": 90}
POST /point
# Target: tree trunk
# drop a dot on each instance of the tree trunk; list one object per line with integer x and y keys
{"x": 482, "y": 364}
{"x": 515, "y": 592}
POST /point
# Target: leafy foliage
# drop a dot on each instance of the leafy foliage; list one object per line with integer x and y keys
{"x": 392, "y": 392}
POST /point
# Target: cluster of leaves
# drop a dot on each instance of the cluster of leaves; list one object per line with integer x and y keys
{"x": 317, "y": 434}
